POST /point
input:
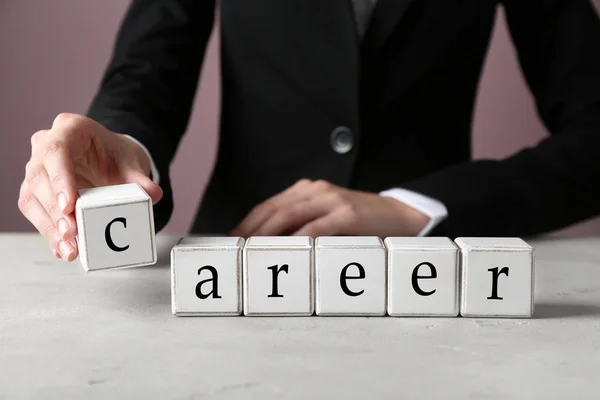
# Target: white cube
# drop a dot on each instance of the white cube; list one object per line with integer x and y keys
{"x": 278, "y": 276}
{"x": 206, "y": 276}
{"x": 115, "y": 227}
{"x": 497, "y": 277}
{"x": 423, "y": 276}
{"x": 350, "y": 275}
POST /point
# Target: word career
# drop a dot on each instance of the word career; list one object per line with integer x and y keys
{"x": 332, "y": 275}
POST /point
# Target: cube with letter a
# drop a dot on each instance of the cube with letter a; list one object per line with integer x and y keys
{"x": 497, "y": 277}
{"x": 206, "y": 276}
{"x": 115, "y": 227}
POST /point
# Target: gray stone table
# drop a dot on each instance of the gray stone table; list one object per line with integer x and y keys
{"x": 110, "y": 335}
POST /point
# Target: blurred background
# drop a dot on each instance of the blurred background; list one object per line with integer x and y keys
{"x": 53, "y": 53}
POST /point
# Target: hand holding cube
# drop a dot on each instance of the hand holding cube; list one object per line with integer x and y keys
{"x": 76, "y": 152}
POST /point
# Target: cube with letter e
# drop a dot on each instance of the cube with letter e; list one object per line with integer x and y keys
{"x": 350, "y": 275}
{"x": 422, "y": 276}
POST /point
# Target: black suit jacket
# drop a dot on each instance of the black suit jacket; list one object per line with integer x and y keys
{"x": 294, "y": 71}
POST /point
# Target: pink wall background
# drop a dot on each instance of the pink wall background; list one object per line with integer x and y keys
{"x": 53, "y": 54}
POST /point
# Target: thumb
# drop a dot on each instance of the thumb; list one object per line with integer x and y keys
{"x": 137, "y": 176}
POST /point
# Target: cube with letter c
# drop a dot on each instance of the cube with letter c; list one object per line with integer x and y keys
{"x": 115, "y": 227}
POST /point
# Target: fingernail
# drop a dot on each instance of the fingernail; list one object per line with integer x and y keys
{"x": 62, "y": 201}
{"x": 63, "y": 227}
{"x": 65, "y": 249}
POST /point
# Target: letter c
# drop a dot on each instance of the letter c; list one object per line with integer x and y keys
{"x": 108, "y": 238}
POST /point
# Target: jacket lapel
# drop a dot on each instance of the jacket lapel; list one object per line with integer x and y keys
{"x": 387, "y": 14}
{"x": 312, "y": 45}
{"x": 420, "y": 39}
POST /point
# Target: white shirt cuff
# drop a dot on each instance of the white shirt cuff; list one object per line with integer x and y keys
{"x": 153, "y": 169}
{"x": 434, "y": 209}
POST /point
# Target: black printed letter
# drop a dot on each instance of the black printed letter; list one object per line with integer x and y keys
{"x": 344, "y": 277}
{"x": 495, "y": 275}
{"x": 276, "y": 271}
{"x": 215, "y": 283}
{"x": 108, "y": 238}
{"x": 416, "y": 277}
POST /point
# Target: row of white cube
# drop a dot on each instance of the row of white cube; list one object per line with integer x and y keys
{"x": 335, "y": 276}
{"x": 361, "y": 276}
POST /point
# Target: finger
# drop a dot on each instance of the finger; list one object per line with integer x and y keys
{"x": 291, "y": 217}
{"x": 39, "y": 184}
{"x": 68, "y": 249}
{"x": 258, "y": 215}
{"x": 131, "y": 175}
{"x": 335, "y": 223}
{"x": 67, "y": 228}
{"x": 59, "y": 167}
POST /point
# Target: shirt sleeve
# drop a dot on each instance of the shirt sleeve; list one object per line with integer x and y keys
{"x": 155, "y": 175}
{"x": 434, "y": 209}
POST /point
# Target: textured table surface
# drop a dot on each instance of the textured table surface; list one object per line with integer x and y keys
{"x": 110, "y": 334}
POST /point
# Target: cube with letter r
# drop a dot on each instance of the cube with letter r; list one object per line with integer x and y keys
{"x": 278, "y": 276}
{"x": 115, "y": 227}
{"x": 497, "y": 277}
